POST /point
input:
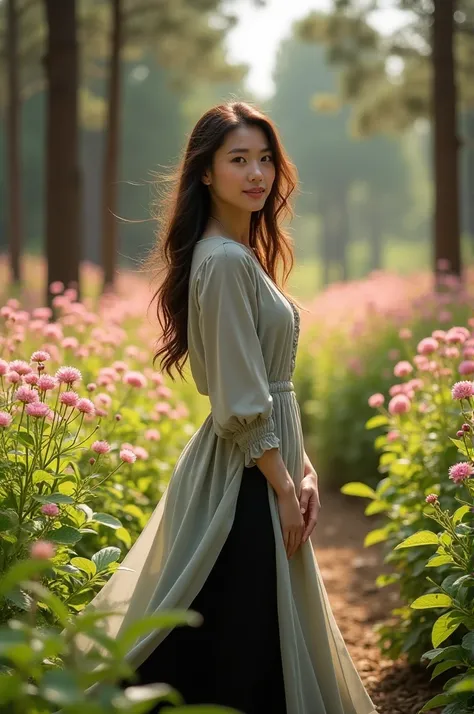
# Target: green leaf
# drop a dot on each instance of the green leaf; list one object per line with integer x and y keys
{"x": 357, "y": 488}
{"x": 65, "y": 535}
{"x": 19, "y": 598}
{"x": 467, "y": 685}
{"x": 376, "y": 536}
{"x": 437, "y": 560}
{"x": 26, "y": 438}
{"x": 432, "y": 600}
{"x": 159, "y": 621}
{"x": 443, "y": 628}
{"x": 60, "y": 687}
{"x": 50, "y": 599}
{"x": 437, "y": 701}
{"x": 156, "y": 692}
{"x": 460, "y": 513}
{"x": 20, "y": 572}
{"x": 41, "y": 476}
{"x": 87, "y": 566}
{"x": 444, "y": 666}
{"x": 106, "y": 520}
{"x": 56, "y": 497}
{"x": 376, "y": 421}
{"x": 468, "y": 641}
{"x": 103, "y": 558}
{"x": 123, "y": 535}
{"x": 7, "y": 520}
{"x": 375, "y": 507}
{"x": 420, "y": 538}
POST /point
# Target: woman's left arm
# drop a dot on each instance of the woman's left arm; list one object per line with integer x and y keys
{"x": 310, "y": 504}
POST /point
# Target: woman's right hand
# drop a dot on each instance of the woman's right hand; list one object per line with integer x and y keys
{"x": 292, "y": 521}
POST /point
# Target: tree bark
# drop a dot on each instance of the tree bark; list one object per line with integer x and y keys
{"x": 62, "y": 144}
{"x": 447, "y": 240}
{"x": 112, "y": 153}
{"x": 13, "y": 144}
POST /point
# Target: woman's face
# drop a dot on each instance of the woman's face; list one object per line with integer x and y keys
{"x": 243, "y": 171}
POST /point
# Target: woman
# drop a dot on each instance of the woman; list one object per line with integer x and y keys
{"x": 230, "y": 536}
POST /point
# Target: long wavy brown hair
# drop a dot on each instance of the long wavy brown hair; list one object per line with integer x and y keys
{"x": 184, "y": 212}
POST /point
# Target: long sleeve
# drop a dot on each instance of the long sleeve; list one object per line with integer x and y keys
{"x": 237, "y": 380}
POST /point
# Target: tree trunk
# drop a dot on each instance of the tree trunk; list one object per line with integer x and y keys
{"x": 13, "y": 144}
{"x": 447, "y": 244}
{"x": 375, "y": 237}
{"x": 112, "y": 152}
{"x": 62, "y": 144}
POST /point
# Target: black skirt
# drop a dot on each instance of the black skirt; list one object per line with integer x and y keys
{"x": 233, "y": 659}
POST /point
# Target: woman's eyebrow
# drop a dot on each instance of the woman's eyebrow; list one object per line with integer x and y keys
{"x": 246, "y": 151}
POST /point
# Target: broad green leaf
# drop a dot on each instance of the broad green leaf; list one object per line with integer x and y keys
{"x": 357, "y": 488}
{"x": 467, "y": 685}
{"x": 42, "y": 476}
{"x": 20, "y": 572}
{"x": 444, "y": 666}
{"x": 123, "y": 535}
{"x": 431, "y": 600}
{"x": 27, "y": 439}
{"x": 61, "y": 688}
{"x": 106, "y": 519}
{"x": 438, "y": 560}
{"x": 87, "y": 566}
{"x": 460, "y": 513}
{"x": 56, "y": 497}
{"x": 377, "y": 507}
{"x": 420, "y": 538}
{"x": 376, "y": 536}
{"x": 7, "y": 520}
{"x": 443, "y": 628}
{"x": 105, "y": 557}
{"x": 376, "y": 421}
{"x": 50, "y": 599}
{"x": 437, "y": 701}
{"x": 65, "y": 535}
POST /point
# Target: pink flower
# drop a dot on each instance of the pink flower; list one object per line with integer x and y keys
{"x": 40, "y": 356}
{"x": 402, "y": 369}
{"x": 5, "y": 419}
{"x": 42, "y": 313}
{"x": 85, "y": 406}
{"x": 128, "y": 456}
{"x": 432, "y": 498}
{"x": 399, "y": 404}
{"x": 392, "y": 436}
{"x": 376, "y": 400}
{"x": 37, "y": 409}
{"x": 3, "y": 367}
{"x": 47, "y": 382}
{"x": 450, "y": 352}
{"x": 26, "y": 394}
{"x": 53, "y": 331}
{"x": 56, "y": 287}
{"x": 13, "y": 377}
{"x": 50, "y": 509}
{"x": 405, "y": 333}
{"x": 459, "y": 472}
{"x": 162, "y": 407}
{"x": 468, "y": 352}
{"x": 416, "y": 383}
{"x": 134, "y": 379}
{"x": 427, "y": 346}
{"x": 68, "y": 375}
{"x": 20, "y": 366}
{"x": 462, "y": 390}
{"x": 103, "y": 399}
{"x": 91, "y": 387}
{"x": 439, "y": 335}
{"x": 154, "y": 434}
{"x": 70, "y": 343}
{"x": 31, "y": 379}
{"x": 164, "y": 392}
{"x": 101, "y": 412}
{"x": 42, "y": 550}
{"x": 120, "y": 366}
{"x": 466, "y": 367}
{"x": 101, "y": 447}
{"x": 69, "y": 398}
{"x": 140, "y": 452}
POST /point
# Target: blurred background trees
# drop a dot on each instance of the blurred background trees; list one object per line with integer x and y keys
{"x": 96, "y": 97}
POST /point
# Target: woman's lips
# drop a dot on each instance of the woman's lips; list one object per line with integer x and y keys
{"x": 255, "y": 192}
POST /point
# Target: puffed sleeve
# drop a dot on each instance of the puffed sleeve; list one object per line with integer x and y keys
{"x": 241, "y": 402}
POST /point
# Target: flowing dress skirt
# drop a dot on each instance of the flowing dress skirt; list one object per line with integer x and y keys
{"x": 233, "y": 658}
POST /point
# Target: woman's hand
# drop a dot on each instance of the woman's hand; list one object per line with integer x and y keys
{"x": 292, "y": 521}
{"x": 309, "y": 499}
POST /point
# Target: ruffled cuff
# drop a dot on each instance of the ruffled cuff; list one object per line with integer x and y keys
{"x": 256, "y": 438}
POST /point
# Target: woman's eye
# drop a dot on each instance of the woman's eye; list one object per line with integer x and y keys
{"x": 270, "y": 158}
{"x": 237, "y": 159}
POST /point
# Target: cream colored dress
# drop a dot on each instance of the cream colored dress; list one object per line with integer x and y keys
{"x": 243, "y": 336}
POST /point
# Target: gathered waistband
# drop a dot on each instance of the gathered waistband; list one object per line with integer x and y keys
{"x": 283, "y": 386}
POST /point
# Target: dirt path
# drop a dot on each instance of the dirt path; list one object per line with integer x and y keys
{"x": 349, "y": 571}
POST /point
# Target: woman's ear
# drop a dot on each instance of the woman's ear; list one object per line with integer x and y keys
{"x": 206, "y": 179}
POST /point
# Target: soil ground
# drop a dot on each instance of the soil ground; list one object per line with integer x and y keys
{"x": 349, "y": 571}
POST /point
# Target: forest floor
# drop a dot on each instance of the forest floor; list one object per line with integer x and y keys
{"x": 349, "y": 571}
